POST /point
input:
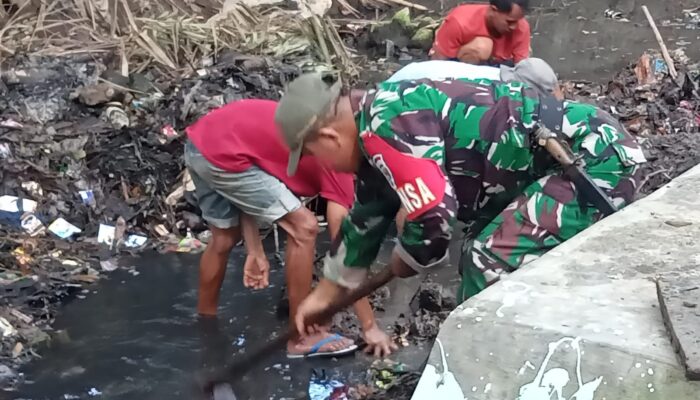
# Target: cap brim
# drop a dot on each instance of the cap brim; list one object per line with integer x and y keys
{"x": 294, "y": 157}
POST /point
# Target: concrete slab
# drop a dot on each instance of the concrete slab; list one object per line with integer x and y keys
{"x": 582, "y": 322}
{"x": 679, "y": 298}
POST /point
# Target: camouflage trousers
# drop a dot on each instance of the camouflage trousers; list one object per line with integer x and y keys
{"x": 547, "y": 213}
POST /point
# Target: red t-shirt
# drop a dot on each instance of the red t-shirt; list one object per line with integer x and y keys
{"x": 467, "y": 22}
{"x": 243, "y": 134}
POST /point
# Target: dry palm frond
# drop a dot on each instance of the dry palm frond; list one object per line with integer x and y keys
{"x": 172, "y": 33}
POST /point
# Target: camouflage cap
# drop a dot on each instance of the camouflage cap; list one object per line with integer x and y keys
{"x": 307, "y": 101}
{"x": 535, "y": 72}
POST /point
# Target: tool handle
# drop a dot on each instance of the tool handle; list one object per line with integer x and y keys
{"x": 246, "y": 363}
{"x": 559, "y": 152}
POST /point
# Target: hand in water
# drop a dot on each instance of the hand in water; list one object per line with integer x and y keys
{"x": 378, "y": 342}
{"x": 256, "y": 272}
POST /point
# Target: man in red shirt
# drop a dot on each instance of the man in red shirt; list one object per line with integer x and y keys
{"x": 238, "y": 163}
{"x": 495, "y": 33}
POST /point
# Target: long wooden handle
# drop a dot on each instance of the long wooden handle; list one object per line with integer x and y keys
{"x": 662, "y": 44}
{"x": 244, "y": 364}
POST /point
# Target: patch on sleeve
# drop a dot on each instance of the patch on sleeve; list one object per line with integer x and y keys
{"x": 419, "y": 182}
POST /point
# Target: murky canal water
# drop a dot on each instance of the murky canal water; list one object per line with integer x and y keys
{"x": 138, "y": 337}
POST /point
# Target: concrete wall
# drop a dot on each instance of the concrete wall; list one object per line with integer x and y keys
{"x": 582, "y": 322}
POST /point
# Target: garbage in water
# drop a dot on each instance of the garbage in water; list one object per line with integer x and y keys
{"x": 94, "y": 392}
{"x": 109, "y": 265}
{"x": 240, "y": 341}
{"x": 323, "y": 388}
{"x": 616, "y": 15}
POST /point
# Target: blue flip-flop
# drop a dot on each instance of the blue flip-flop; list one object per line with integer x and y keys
{"x": 315, "y": 350}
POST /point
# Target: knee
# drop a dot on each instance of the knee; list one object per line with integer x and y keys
{"x": 222, "y": 243}
{"x": 302, "y": 226}
{"x": 476, "y": 51}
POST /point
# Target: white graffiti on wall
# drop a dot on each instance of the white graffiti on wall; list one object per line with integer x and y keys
{"x": 438, "y": 385}
{"x": 552, "y": 382}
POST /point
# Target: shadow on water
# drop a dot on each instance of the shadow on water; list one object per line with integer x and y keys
{"x": 138, "y": 337}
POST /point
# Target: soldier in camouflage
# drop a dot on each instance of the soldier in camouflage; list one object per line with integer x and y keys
{"x": 447, "y": 150}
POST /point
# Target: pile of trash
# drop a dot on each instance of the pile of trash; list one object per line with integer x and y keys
{"x": 92, "y": 165}
{"x": 663, "y": 112}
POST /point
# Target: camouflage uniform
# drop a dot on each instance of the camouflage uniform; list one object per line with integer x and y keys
{"x": 464, "y": 149}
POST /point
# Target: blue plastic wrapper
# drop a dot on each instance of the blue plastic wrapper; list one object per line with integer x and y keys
{"x": 322, "y": 388}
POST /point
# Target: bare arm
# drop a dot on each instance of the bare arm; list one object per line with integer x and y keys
{"x": 251, "y": 235}
{"x": 256, "y": 269}
{"x": 335, "y": 213}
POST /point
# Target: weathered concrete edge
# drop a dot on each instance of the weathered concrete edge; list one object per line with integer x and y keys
{"x": 607, "y": 270}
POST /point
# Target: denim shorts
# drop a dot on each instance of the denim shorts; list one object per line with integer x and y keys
{"x": 223, "y": 195}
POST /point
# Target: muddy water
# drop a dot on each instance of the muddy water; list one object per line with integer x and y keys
{"x": 137, "y": 337}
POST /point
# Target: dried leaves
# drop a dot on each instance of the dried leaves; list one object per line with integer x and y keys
{"x": 170, "y": 34}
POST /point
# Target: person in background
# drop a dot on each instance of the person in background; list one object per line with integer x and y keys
{"x": 448, "y": 150}
{"x": 495, "y": 33}
{"x": 238, "y": 164}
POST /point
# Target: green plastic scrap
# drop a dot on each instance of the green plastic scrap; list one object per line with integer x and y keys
{"x": 403, "y": 18}
{"x": 423, "y": 38}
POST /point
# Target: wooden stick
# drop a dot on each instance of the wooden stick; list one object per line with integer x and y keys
{"x": 664, "y": 50}
{"x": 252, "y": 359}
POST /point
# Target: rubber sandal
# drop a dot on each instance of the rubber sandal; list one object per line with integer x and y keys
{"x": 315, "y": 350}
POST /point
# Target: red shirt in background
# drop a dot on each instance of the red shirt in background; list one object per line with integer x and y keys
{"x": 243, "y": 134}
{"x": 467, "y": 22}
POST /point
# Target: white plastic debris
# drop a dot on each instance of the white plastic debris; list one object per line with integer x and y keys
{"x": 5, "y": 151}
{"x": 11, "y": 203}
{"x": 33, "y": 188}
{"x": 88, "y": 197}
{"x": 135, "y": 241}
{"x": 7, "y": 329}
{"x": 117, "y": 116}
{"x": 109, "y": 265}
{"x": 9, "y": 123}
{"x": 32, "y": 225}
{"x": 63, "y": 228}
{"x": 94, "y": 392}
{"x": 106, "y": 234}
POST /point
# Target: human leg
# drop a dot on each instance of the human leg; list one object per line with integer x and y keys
{"x": 268, "y": 200}
{"x": 477, "y": 51}
{"x": 222, "y": 218}
{"x": 545, "y": 215}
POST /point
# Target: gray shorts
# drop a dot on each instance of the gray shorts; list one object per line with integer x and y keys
{"x": 223, "y": 195}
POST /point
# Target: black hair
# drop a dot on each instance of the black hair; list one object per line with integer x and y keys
{"x": 507, "y": 5}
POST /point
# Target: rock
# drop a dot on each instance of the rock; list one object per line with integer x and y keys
{"x": 423, "y": 38}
